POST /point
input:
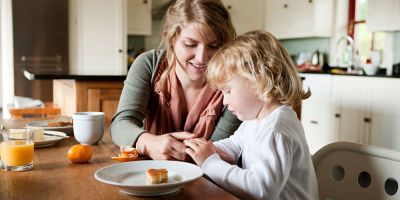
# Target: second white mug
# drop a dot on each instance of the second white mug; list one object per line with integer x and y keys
{"x": 88, "y": 127}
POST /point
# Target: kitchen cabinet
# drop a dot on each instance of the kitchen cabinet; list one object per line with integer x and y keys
{"x": 87, "y": 95}
{"x": 317, "y": 122}
{"x": 384, "y": 113}
{"x": 97, "y": 35}
{"x": 351, "y": 108}
{"x": 367, "y": 110}
{"x": 299, "y": 18}
{"x": 139, "y": 17}
{"x": 246, "y": 15}
{"x": 317, "y": 112}
{"x": 383, "y": 15}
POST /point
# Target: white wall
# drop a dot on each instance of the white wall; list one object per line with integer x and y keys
{"x": 6, "y": 55}
{"x": 339, "y": 28}
{"x": 1, "y": 71}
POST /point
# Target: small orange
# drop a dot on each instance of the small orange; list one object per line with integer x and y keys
{"x": 127, "y": 154}
{"x": 80, "y": 153}
{"x": 125, "y": 158}
{"x": 127, "y": 151}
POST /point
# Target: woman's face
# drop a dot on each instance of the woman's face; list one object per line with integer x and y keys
{"x": 193, "y": 51}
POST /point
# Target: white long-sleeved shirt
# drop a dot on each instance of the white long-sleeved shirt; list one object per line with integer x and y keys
{"x": 276, "y": 163}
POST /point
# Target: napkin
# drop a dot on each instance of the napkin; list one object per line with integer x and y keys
{"x": 26, "y": 102}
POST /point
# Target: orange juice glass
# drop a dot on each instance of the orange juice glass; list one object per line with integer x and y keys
{"x": 16, "y": 151}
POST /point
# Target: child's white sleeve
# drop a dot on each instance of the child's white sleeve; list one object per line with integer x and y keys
{"x": 265, "y": 177}
{"x": 232, "y": 145}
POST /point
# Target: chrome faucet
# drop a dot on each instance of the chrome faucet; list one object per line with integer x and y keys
{"x": 350, "y": 55}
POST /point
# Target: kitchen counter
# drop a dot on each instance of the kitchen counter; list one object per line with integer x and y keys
{"x": 79, "y": 93}
{"x": 342, "y": 72}
{"x": 37, "y": 74}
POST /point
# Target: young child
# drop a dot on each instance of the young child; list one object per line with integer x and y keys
{"x": 268, "y": 156}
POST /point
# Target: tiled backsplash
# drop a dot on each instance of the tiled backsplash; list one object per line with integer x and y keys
{"x": 136, "y": 42}
{"x": 306, "y": 46}
{"x": 147, "y": 42}
{"x": 396, "y": 52}
{"x": 295, "y": 46}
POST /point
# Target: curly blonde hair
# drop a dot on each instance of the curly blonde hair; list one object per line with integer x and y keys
{"x": 260, "y": 58}
{"x": 211, "y": 15}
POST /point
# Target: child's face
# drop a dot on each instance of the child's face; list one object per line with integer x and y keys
{"x": 241, "y": 98}
{"x": 193, "y": 51}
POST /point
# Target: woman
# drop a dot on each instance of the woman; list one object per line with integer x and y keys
{"x": 168, "y": 88}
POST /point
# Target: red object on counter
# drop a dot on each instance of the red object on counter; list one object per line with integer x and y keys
{"x": 308, "y": 67}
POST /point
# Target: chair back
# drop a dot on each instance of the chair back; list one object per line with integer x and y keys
{"x": 48, "y": 111}
{"x": 348, "y": 171}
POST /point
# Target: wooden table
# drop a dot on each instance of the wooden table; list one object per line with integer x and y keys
{"x": 54, "y": 177}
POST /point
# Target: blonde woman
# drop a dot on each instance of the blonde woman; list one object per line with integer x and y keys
{"x": 166, "y": 98}
{"x": 268, "y": 156}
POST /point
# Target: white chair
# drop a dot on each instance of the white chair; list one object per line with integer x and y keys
{"x": 350, "y": 171}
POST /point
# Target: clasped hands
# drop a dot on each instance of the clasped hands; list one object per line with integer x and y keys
{"x": 177, "y": 146}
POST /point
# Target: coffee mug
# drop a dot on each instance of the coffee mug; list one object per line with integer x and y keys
{"x": 88, "y": 127}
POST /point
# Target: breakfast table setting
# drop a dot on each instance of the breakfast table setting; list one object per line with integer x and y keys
{"x": 54, "y": 175}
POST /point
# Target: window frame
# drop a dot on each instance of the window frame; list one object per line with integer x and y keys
{"x": 352, "y": 22}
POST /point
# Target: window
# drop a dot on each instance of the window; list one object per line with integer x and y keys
{"x": 369, "y": 45}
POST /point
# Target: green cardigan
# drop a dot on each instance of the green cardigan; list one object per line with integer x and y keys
{"x": 127, "y": 123}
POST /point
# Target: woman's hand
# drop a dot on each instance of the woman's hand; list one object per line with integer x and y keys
{"x": 163, "y": 147}
{"x": 199, "y": 149}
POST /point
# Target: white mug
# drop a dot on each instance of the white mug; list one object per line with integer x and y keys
{"x": 88, "y": 127}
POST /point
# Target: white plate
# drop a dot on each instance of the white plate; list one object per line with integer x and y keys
{"x": 43, "y": 124}
{"x": 130, "y": 177}
{"x": 49, "y": 140}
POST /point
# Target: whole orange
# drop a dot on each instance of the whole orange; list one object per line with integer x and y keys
{"x": 80, "y": 153}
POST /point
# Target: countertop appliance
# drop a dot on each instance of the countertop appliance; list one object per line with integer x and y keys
{"x": 317, "y": 58}
{"x": 396, "y": 70}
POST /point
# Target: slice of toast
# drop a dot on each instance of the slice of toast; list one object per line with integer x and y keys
{"x": 60, "y": 122}
{"x": 156, "y": 176}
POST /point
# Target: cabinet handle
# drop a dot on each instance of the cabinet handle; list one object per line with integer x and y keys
{"x": 337, "y": 115}
{"x": 313, "y": 122}
{"x": 309, "y": 1}
{"x": 367, "y": 120}
{"x": 229, "y": 7}
{"x": 120, "y": 51}
{"x": 285, "y": 5}
{"x": 145, "y": 1}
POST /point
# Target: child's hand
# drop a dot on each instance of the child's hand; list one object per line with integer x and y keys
{"x": 199, "y": 149}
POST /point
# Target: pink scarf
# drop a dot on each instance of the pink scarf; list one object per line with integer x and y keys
{"x": 166, "y": 113}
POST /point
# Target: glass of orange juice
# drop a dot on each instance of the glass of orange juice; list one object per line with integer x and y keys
{"x": 16, "y": 150}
